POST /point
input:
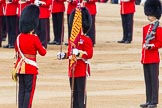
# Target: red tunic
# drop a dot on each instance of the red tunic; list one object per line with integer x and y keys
{"x": 11, "y": 8}
{"x": 45, "y": 9}
{"x": 91, "y": 5}
{"x": 58, "y": 6}
{"x": 85, "y": 45}
{"x": 30, "y": 44}
{"x": 72, "y": 5}
{"x": 1, "y": 7}
{"x": 127, "y": 7}
{"x": 152, "y": 55}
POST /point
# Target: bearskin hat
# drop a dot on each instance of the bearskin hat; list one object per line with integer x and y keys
{"x": 86, "y": 19}
{"x": 29, "y": 18}
{"x": 153, "y": 8}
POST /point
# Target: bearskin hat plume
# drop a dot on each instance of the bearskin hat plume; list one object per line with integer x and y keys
{"x": 153, "y": 8}
{"x": 29, "y": 19}
{"x": 86, "y": 19}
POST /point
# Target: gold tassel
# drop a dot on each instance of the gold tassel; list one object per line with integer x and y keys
{"x": 23, "y": 68}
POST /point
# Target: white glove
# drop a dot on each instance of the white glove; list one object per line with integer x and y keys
{"x": 42, "y": 3}
{"x": 38, "y": 2}
{"x": 78, "y": 53}
{"x": 148, "y": 46}
{"x": 142, "y": 2}
{"x": 61, "y": 55}
{"x": 75, "y": 51}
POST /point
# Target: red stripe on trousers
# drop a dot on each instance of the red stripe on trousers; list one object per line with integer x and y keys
{"x": 32, "y": 92}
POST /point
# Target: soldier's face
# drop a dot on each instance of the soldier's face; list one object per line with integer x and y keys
{"x": 151, "y": 18}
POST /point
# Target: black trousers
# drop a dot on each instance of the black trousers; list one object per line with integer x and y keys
{"x": 68, "y": 15}
{"x": 137, "y": 2}
{"x": 48, "y": 30}
{"x": 58, "y": 26}
{"x": 12, "y": 28}
{"x": 27, "y": 85}
{"x": 4, "y": 27}
{"x": 42, "y": 31}
{"x": 18, "y": 24}
{"x": 127, "y": 24}
{"x": 92, "y": 31}
{"x": 78, "y": 93}
{"x": 151, "y": 74}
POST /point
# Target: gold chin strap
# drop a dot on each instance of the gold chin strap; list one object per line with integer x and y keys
{"x": 31, "y": 32}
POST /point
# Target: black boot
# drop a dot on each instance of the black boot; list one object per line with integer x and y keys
{"x": 152, "y": 106}
{"x": 144, "y": 105}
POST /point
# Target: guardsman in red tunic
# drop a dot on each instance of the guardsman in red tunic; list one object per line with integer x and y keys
{"x": 43, "y": 29}
{"x": 10, "y": 10}
{"x": 91, "y": 5}
{"x": 83, "y": 52}
{"x": 152, "y": 42}
{"x": 1, "y": 17}
{"x": 27, "y": 46}
{"x": 127, "y": 9}
{"x": 57, "y": 10}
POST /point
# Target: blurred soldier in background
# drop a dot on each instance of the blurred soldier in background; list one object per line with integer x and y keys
{"x": 58, "y": 9}
{"x": 43, "y": 28}
{"x": 127, "y": 9}
{"x": 11, "y": 19}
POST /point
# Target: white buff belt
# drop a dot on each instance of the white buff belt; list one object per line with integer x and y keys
{"x": 85, "y": 60}
{"x": 26, "y": 60}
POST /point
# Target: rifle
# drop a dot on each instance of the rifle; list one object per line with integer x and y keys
{"x": 151, "y": 35}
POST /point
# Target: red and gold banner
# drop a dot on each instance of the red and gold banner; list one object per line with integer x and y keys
{"x": 76, "y": 28}
{"x": 75, "y": 33}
